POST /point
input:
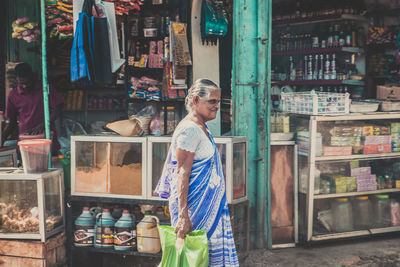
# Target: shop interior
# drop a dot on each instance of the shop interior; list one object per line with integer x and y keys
{"x": 335, "y": 67}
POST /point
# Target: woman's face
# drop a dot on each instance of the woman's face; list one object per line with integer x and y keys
{"x": 207, "y": 108}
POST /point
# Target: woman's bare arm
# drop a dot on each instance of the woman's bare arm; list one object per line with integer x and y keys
{"x": 184, "y": 166}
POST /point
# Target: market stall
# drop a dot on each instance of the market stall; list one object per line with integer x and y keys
{"x": 334, "y": 92}
{"x": 115, "y": 173}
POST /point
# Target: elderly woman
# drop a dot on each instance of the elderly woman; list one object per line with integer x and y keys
{"x": 193, "y": 178}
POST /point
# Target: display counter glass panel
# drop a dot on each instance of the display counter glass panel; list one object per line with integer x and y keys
{"x": 31, "y": 205}
{"x": 108, "y": 166}
{"x": 19, "y": 206}
{"x": 53, "y": 209}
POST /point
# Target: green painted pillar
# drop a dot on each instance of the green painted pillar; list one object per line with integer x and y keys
{"x": 264, "y": 21}
{"x": 250, "y": 98}
{"x": 44, "y": 73}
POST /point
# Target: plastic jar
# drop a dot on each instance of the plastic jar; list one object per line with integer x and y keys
{"x": 381, "y": 209}
{"x": 362, "y": 211}
{"x": 342, "y": 215}
{"x": 395, "y": 212}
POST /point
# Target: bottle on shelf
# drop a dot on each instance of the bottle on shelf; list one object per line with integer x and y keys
{"x": 305, "y": 69}
{"x": 299, "y": 71}
{"x": 315, "y": 38}
{"x": 330, "y": 37}
{"x": 321, "y": 68}
{"x": 353, "y": 35}
{"x": 333, "y": 67}
{"x": 316, "y": 70}
{"x": 336, "y": 34}
{"x": 310, "y": 68}
{"x": 292, "y": 70}
{"x": 327, "y": 68}
{"x": 348, "y": 35}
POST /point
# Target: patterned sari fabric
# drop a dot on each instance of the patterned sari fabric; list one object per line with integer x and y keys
{"x": 208, "y": 209}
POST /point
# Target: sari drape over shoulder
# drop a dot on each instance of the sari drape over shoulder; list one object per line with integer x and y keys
{"x": 208, "y": 208}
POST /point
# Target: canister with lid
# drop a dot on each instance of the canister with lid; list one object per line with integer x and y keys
{"x": 362, "y": 211}
{"x": 381, "y": 209}
{"x": 342, "y": 215}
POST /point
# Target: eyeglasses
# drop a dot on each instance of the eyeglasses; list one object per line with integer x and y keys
{"x": 213, "y": 102}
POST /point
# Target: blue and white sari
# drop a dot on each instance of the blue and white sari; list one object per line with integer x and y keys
{"x": 208, "y": 208}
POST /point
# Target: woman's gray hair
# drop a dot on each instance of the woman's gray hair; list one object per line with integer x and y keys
{"x": 200, "y": 88}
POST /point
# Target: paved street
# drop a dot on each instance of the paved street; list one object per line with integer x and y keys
{"x": 379, "y": 252}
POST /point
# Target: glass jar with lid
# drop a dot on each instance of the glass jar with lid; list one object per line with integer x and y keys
{"x": 342, "y": 215}
{"x": 362, "y": 211}
{"x": 381, "y": 208}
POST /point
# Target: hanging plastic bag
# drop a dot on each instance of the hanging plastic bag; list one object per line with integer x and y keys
{"x": 194, "y": 252}
{"x": 116, "y": 60}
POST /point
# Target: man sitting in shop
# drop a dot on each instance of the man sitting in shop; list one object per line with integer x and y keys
{"x": 24, "y": 107}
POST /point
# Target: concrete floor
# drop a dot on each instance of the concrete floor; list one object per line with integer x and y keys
{"x": 375, "y": 251}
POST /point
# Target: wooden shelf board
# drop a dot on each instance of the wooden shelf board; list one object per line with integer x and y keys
{"x": 320, "y": 82}
{"x": 304, "y": 21}
{"x": 319, "y": 51}
{"x": 358, "y": 156}
{"x": 349, "y": 194}
{"x": 355, "y": 233}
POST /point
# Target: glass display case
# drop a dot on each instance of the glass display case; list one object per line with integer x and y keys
{"x": 8, "y": 157}
{"x": 349, "y": 174}
{"x": 233, "y": 152}
{"x": 108, "y": 166}
{"x": 31, "y": 205}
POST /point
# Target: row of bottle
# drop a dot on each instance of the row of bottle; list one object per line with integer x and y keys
{"x": 306, "y": 9}
{"x": 334, "y": 35}
{"x": 364, "y": 213}
{"x": 318, "y": 67}
{"x": 101, "y": 230}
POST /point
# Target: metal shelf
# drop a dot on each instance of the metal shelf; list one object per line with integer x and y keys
{"x": 75, "y": 198}
{"x": 112, "y": 251}
{"x": 304, "y": 21}
{"x": 351, "y": 116}
{"x": 355, "y": 233}
{"x": 358, "y": 157}
{"x": 319, "y": 51}
{"x": 320, "y": 82}
{"x": 349, "y": 194}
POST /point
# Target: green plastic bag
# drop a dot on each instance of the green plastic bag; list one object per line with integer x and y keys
{"x": 193, "y": 254}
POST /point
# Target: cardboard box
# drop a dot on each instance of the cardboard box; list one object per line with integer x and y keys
{"x": 377, "y": 149}
{"x": 377, "y": 140}
{"x": 360, "y": 171}
{"x": 347, "y": 131}
{"x": 337, "y": 150}
{"x": 388, "y": 92}
{"x": 345, "y": 141}
{"x": 395, "y": 127}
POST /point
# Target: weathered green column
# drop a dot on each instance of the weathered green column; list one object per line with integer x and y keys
{"x": 44, "y": 73}
{"x": 250, "y": 99}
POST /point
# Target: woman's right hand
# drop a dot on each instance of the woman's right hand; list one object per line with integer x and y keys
{"x": 183, "y": 226}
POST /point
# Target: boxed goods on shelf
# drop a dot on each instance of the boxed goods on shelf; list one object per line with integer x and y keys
{"x": 303, "y": 142}
{"x": 377, "y": 140}
{"x": 388, "y": 92}
{"x": 345, "y": 141}
{"x": 337, "y": 150}
{"x": 377, "y": 149}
